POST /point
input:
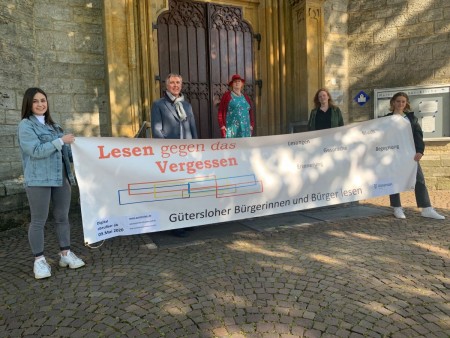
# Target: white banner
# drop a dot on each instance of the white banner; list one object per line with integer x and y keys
{"x": 131, "y": 186}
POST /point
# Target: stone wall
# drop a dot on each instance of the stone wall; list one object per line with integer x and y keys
{"x": 59, "y": 45}
{"x": 396, "y": 43}
{"x": 335, "y": 52}
{"x": 436, "y": 165}
{"x": 399, "y": 43}
{"x": 56, "y": 45}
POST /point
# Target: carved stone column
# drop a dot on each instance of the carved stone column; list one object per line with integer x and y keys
{"x": 308, "y": 26}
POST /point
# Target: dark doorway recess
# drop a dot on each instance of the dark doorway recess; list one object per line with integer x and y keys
{"x": 206, "y": 43}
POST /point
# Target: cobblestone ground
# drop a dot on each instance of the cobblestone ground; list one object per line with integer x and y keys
{"x": 367, "y": 277}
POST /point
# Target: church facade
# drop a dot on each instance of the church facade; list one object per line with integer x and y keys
{"x": 104, "y": 62}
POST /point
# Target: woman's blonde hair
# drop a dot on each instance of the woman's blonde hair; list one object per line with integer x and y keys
{"x": 407, "y": 107}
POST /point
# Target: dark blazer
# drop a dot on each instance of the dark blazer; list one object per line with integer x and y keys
{"x": 166, "y": 123}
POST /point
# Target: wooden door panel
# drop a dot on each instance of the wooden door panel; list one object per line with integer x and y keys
{"x": 229, "y": 37}
{"x": 248, "y": 57}
{"x": 232, "y": 53}
{"x": 192, "y": 54}
{"x": 174, "y": 51}
{"x": 183, "y": 50}
{"x": 184, "y": 44}
{"x": 163, "y": 49}
{"x": 240, "y": 53}
{"x": 202, "y": 52}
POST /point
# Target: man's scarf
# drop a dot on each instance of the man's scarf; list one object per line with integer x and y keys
{"x": 178, "y": 105}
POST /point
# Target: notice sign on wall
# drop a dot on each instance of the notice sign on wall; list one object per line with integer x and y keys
{"x": 132, "y": 186}
{"x": 431, "y": 106}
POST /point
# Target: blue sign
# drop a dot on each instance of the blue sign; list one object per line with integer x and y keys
{"x": 361, "y": 98}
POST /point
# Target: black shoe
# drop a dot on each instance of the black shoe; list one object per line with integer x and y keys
{"x": 179, "y": 233}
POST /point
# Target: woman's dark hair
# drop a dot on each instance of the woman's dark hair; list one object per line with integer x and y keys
{"x": 391, "y": 102}
{"x": 27, "y": 104}
{"x": 330, "y": 99}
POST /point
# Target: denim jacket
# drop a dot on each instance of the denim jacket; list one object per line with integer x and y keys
{"x": 43, "y": 155}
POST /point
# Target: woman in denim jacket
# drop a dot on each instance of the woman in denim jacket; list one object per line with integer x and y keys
{"x": 46, "y": 158}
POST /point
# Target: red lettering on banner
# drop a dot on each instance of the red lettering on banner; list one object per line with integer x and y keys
{"x": 192, "y": 167}
{"x": 162, "y": 168}
{"x": 125, "y": 152}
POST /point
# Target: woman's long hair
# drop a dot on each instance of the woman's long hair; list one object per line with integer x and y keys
{"x": 27, "y": 104}
{"x": 330, "y": 99}
{"x": 407, "y": 107}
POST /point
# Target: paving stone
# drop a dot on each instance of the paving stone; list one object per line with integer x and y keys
{"x": 312, "y": 334}
{"x": 270, "y": 335}
{"x": 341, "y": 277}
{"x": 265, "y": 327}
{"x": 342, "y": 333}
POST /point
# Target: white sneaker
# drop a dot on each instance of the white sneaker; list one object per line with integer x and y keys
{"x": 70, "y": 260}
{"x": 398, "y": 212}
{"x": 41, "y": 268}
{"x": 431, "y": 213}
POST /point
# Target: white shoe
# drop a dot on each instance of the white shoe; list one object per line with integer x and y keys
{"x": 41, "y": 268}
{"x": 431, "y": 213}
{"x": 398, "y": 212}
{"x": 70, "y": 260}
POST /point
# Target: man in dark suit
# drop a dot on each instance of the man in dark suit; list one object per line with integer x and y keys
{"x": 172, "y": 118}
{"x": 171, "y": 115}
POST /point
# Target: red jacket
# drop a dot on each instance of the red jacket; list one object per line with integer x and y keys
{"x": 223, "y": 108}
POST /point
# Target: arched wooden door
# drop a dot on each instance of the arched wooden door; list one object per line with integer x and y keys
{"x": 206, "y": 43}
